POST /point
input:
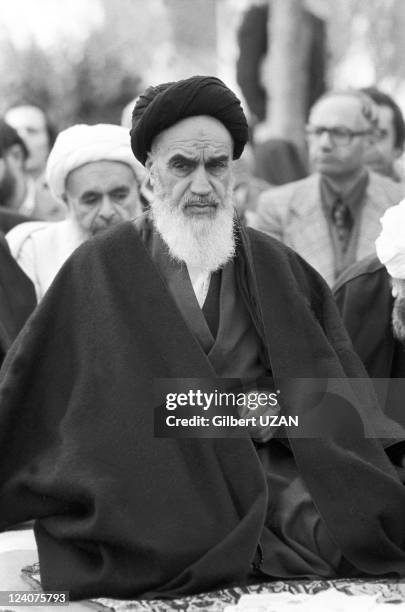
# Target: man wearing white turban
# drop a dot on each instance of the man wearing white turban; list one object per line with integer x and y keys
{"x": 371, "y": 298}
{"x": 93, "y": 171}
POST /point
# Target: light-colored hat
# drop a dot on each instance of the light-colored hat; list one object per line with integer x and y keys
{"x": 82, "y": 144}
{"x": 390, "y": 244}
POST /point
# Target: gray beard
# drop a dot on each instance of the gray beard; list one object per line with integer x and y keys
{"x": 206, "y": 243}
{"x": 398, "y": 319}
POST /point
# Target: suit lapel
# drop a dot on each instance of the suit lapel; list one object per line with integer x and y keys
{"x": 374, "y": 207}
{"x": 308, "y": 231}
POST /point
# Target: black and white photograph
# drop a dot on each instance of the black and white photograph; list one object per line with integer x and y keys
{"x": 202, "y": 305}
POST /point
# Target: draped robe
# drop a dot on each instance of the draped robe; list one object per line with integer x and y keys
{"x": 122, "y": 513}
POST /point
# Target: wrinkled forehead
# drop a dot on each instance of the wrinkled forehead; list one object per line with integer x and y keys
{"x": 98, "y": 175}
{"x": 342, "y": 110}
{"x": 194, "y": 135}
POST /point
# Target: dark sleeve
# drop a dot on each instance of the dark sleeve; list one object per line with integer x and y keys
{"x": 349, "y": 292}
{"x": 17, "y": 298}
{"x": 349, "y": 299}
{"x": 365, "y": 302}
{"x": 36, "y": 382}
{"x": 325, "y": 310}
{"x": 10, "y": 218}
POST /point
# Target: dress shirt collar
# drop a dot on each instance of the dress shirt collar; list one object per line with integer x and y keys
{"x": 352, "y": 194}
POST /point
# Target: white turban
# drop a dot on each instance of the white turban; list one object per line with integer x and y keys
{"x": 390, "y": 244}
{"x": 83, "y": 144}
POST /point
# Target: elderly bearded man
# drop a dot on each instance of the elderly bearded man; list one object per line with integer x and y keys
{"x": 184, "y": 292}
{"x": 92, "y": 172}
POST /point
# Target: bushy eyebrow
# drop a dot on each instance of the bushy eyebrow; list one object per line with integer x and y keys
{"x": 218, "y": 158}
{"x": 178, "y": 157}
{"x": 90, "y": 192}
{"x": 119, "y": 188}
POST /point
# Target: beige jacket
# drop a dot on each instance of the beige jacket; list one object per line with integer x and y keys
{"x": 293, "y": 214}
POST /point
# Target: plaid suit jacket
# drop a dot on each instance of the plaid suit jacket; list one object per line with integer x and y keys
{"x": 293, "y": 214}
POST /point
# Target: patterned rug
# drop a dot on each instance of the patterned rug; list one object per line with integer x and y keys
{"x": 388, "y": 591}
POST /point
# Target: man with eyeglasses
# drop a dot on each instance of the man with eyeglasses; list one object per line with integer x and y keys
{"x": 331, "y": 218}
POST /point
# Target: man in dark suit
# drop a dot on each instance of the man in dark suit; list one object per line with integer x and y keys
{"x": 17, "y": 298}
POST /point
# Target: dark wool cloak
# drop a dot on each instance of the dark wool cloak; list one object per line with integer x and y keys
{"x": 122, "y": 513}
{"x": 17, "y": 298}
{"x": 10, "y": 218}
{"x": 364, "y": 297}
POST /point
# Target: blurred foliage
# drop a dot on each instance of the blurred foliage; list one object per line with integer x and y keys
{"x": 385, "y": 36}
{"x": 87, "y": 80}
{"x": 138, "y": 43}
{"x": 379, "y": 25}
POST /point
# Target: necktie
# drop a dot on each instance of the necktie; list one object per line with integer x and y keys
{"x": 343, "y": 222}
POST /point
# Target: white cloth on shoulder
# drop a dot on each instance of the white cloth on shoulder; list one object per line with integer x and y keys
{"x": 41, "y": 248}
{"x": 390, "y": 244}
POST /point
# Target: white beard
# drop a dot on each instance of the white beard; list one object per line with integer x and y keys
{"x": 202, "y": 242}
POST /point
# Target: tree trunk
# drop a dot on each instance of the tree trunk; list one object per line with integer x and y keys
{"x": 194, "y": 30}
{"x": 287, "y": 69}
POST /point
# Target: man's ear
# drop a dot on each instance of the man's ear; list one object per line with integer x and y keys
{"x": 16, "y": 153}
{"x": 397, "y": 287}
{"x": 150, "y": 167}
{"x": 66, "y": 201}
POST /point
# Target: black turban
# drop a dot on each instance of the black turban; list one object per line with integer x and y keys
{"x": 164, "y": 105}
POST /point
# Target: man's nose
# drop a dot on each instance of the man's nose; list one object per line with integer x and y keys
{"x": 325, "y": 140}
{"x": 106, "y": 209}
{"x": 200, "y": 183}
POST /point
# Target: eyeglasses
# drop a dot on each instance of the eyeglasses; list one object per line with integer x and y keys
{"x": 339, "y": 136}
{"x": 380, "y": 134}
